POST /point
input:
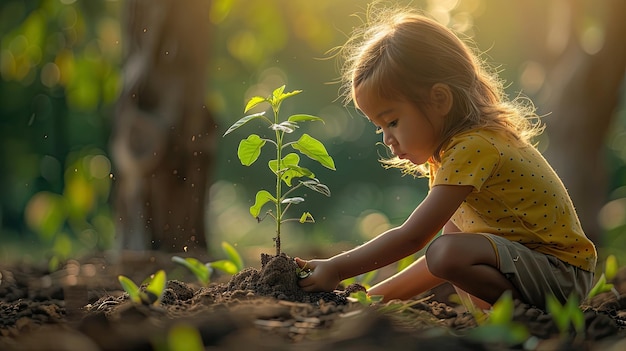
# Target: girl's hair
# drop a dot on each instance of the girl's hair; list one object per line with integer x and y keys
{"x": 401, "y": 54}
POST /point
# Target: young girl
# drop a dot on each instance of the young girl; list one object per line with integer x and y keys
{"x": 508, "y": 222}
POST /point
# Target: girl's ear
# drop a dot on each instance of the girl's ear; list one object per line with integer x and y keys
{"x": 441, "y": 98}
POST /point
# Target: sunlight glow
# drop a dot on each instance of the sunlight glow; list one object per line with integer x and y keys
{"x": 592, "y": 40}
{"x": 613, "y": 214}
{"x": 372, "y": 223}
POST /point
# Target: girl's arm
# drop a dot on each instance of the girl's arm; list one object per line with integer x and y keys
{"x": 421, "y": 226}
{"x": 413, "y": 280}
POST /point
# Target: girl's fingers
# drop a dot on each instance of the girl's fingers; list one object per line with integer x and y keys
{"x": 304, "y": 264}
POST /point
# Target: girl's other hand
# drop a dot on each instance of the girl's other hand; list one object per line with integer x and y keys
{"x": 323, "y": 276}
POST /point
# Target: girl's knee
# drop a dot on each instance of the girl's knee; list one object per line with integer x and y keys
{"x": 438, "y": 257}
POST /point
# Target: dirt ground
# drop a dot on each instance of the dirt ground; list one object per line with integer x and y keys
{"x": 82, "y": 307}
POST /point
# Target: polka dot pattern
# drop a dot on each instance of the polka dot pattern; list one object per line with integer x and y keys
{"x": 516, "y": 195}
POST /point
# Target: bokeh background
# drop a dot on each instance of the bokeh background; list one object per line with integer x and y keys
{"x": 63, "y": 65}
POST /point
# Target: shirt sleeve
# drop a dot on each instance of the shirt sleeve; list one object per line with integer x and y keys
{"x": 467, "y": 160}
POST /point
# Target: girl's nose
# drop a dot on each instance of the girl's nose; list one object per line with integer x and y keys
{"x": 388, "y": 139}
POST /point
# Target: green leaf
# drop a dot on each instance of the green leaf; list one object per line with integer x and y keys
{"x": 285, "y": 127}
{"x": 559, "y": 315}
{"x": 255, "y": 100}
{"x": 278, "y": 95}
{"x": 576, "y": 316}
{"x": 233, "y": 255}
{"x": 303, "y": 118}
{"x": 130, "y": 287}
{"x": 156, "y": 286}
{"x": 183, "y": 337}
{"x": 599, "y": 287}
{"x": 262, "y": 197}
{"x": 314, "y": 184}
{"x": 199, "y": 269}
{"x": 225, "y": 266}
{"x": 289, "y": 159}
{"x": 243, "y": 121}
{"x": 611, "y": 267}
{"x": 289, "y": 168}
{"x": 314, "y": 149}
{"x": 513, "y": 334}
{"x": 250, "y": 149}
{"x": 502, "y": 312}
{"x": 307, "y": 217}
{"x": 278, "y": 92}
{"x": 293, "y": 200}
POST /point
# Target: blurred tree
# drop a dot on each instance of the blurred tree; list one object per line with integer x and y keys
{"x": 581, "y": 47}
{"x": 162, "y": 139}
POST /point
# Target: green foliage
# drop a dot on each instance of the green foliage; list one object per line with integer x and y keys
{"x": 498, "y": 326}
{"x": 284, "y": 167}
{"x": 405, "y": 262}
{"x": 151, "y": 294}
{"x": 602, "y": 285}
{"x": 202, "y": 271}
{"x": 566, "y": 315}
{"x": 183, "y": 337}
{"x": 365, "y": 299}
{"x": 232, "y": 265}
{"x": 78, "y": 216}
{"x": 364, "y": 279}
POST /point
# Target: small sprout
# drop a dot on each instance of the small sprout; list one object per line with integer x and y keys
{"x": 498, "y": 326}
{"x": 200, "y": 270}
{"x": 566, "y": 315}
{"x": 286, "y": 165}
{"x": 610, "y": 271}
{"x": 611, "y": 267}
{"x": 365, "y": 299}
{"x": 131, "y": 288}
{"x": 232, "y": 265}
{"x": 153, "y": 292}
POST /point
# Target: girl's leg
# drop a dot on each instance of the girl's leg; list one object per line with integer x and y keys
{"x": 469, "y": 262}
{"x": 411, "y": 281}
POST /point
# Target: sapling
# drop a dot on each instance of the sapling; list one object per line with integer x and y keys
{"x": 286, "y": 165}
{"x": 203, "y": 271}
{"x": 155, "y": 285}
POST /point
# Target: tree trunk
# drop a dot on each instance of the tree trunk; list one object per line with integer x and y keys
{"x": 163, "y": 135}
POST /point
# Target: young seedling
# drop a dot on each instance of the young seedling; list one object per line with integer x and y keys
{"x": 365, "y": 299}
{"x": 498, "y": 326}
{"x": 602, "y": 285}
{"x": 151, "y": 295}
{"x": 566, "y": 315}
{"x": 285, "y": 166}
{"x": 232, "y": 265}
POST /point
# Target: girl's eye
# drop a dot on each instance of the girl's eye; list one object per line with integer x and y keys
{"x": 393, "y": 123}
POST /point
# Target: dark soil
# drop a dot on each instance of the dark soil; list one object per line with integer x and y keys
{"x": 82, "y": 307}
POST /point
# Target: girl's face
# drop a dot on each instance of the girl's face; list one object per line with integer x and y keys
{"x": 411, "y": 133}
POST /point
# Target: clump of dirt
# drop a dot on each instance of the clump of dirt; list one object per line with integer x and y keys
{"x": 277, "y": 278}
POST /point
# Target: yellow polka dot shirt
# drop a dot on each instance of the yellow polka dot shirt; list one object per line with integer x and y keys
{"x": 516, "y": 195}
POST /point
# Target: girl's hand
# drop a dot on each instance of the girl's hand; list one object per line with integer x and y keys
{"x": 323, "y": 276}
